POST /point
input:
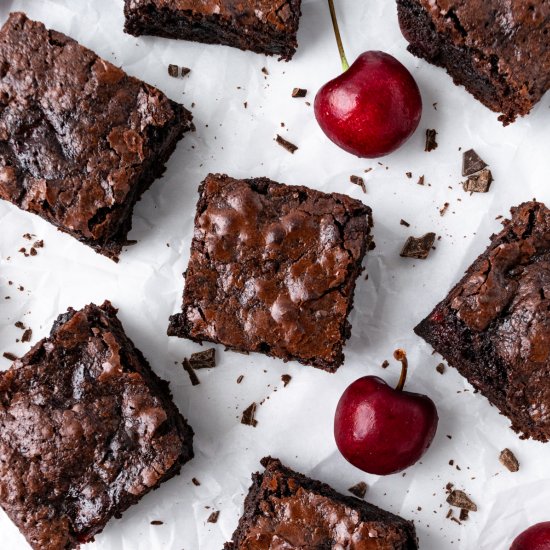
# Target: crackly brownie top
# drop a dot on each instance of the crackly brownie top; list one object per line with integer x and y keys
{"x": 83, "y": 429}
{"x": 295, "y": 512}
{"x": 74, "y": 129}
{"x": 280, "y": 14}
{"x": 273, "y": 266}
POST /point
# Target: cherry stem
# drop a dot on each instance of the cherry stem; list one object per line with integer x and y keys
{"x": 345, "y": 64}
{"x": 401, "y": 356}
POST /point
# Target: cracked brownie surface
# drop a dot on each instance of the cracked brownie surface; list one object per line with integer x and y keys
{"x": 86, "y": 429}
{"x": 80, "y": 140}
{"x": 263, "y": 26}
{"x": 285, "y": 509}
{"x": 273, "y": 269}
{"x": 494, "y": 326}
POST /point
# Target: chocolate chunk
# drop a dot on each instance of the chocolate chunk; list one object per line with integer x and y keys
{"x": 418, "y": 247}
{"x": 403, "y": 222}
{"x": 508, "y": 459}
{"x": 173, "y": 70}
{"x": 286, "y": 378}
{"x": 196, "y": 481}
{"x": 299, "y": 92}
{"x": 203, "y": 359}
{"x": 27, "y": 335}
{"x": 10, "y": 356}
{"x": 248, "y": 416}
{"x": 431, "y": 142}
{"x": 290, "y": 147}
{"x": 359, "y": 490}
{"x": 479, "y": 183}
{"x": 240, "y": 379}
{"x": 189, "y": 370}
{"x": 440, "y": 368}
{"x": 472, "y": 163}
{"x": 213, "y": 517}
{"x": 358, "y": 181}
{"x": 157, "y": 522}
{"x": 460, "y": 499}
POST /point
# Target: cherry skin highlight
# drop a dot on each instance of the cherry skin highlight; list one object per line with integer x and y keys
{"x": 536, "y": 537}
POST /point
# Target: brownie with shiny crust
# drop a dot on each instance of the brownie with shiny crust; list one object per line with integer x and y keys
{"x": 285, "y": 509}
{"x": 86, "y": 430}
{"x": 499, "y": 51}
{"x": 263, "y": 26}
{"x": 80, "y": 140}
{"x": 494, "y": 326}
{"x": 273, "y": 269}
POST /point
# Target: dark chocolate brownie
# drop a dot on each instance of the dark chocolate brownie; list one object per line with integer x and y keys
{"x": 80, "y": 140}
{"x": 494, "y": 326}
{"x": 263, "y": 26}
{"x": 273, "y": 269}
{"x": 500, "y": 51}
{"x": 285, "y": 509}
{"x": 86, "y": 429}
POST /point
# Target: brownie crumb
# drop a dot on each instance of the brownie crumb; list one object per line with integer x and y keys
{"x": 472, "y": 163}
{"x": 185, "y": 71}
{"x": 290, "y": 147}
{"x": 464, "y": 514}
{"x": 409, "y": 174}
{"x": 286, "y": 378}
{"x": 265, "y": 71}
{"x": 440, "y": 368}
{"x": 359, "y": 490}
{"x": 203, "y": 359}
{"x": 420, "y": 180}
{"x": 431, "y": 142}
{"x": 444, "y": 209}
{"x": 508, "y": 459}
{"x": 192, "y": 374}
{"x": 358, "y": 181}
{"x": 10, "y": 356}
{"x": 196, "y": 482}
{"x": 28, "y": 236}
{"x": 385, "y": 364}
{"x": 479, "y": 183}
{"x": 213, "y": 517}
{"x": 418, "y": 248}
{"x": 27, "y": 335}
{"x": 157, "y": 522}
{"x": 403, "y": 222}
{"x": 460, "y": 499}
{"x": 248, "y": 416}
{"x": 240, "y": 379}
{"x": 299, "y": 92}
{"x": 173, "y": 70}
{"x": 23, "y": 251}
{"x": 19, "y": 324}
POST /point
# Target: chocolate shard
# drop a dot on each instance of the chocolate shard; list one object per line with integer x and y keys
{"x": 203, "y": 359}
{"x": 472, "y": 163}
{"x": 189, "y": 370}
{"x": 431, "y": 142}
{"x": 508, "y": 460}
{"x": 460, "y": 499}
{"x": 248, "y": 416}
{"x": 290, "y": 147}
{"x": 479, "y": 183}
{"x": 359, "y": 489}
{"x": 418, "y": 248}
{"x": 299, "y": 92}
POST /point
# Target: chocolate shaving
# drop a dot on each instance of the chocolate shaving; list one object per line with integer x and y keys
{"x": 508, "y": 459}
{"x": 359, "y": 490}
{"x": 248, "y": 416}
{"x": 440, "y": 368}
{"x": 286, "y": 378}
{"x": 299, "y": 92}
{"x": 189, "y": 370}
{"x": 173, "y": 70}
{"x": 460, "y": 499}
{"x": 10, "y": 356}
{"x": 27, "y": 335}
{"x": 418, "y": 247}
{"x": 290, "y": 147}
{"x": 431, "y": 142}
{"x": 196, "y": 481}
{"x": 358, "y": 181}
{"x": 203, "y": 359}
{"x": 157, "y": 522}
{"x": 213, "y": 517}
{"x": 403, "y": 222}
{"x": 479, "y": 183}
{"x": 472, "y": 163}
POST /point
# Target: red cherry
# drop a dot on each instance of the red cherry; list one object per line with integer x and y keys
{"x": 536, "y": 537}
{"x": 373, "y": 107}
{"x": 382, "y": 430}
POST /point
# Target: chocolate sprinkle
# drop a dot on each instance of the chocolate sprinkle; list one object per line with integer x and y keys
{"x": 359, "y": 490}
{"x": 173, "y": 70}
{"x": 472, "y": 163}
{"x": 431, "y": 142}
{"x": 203, "y": 359}
{"x": 196, "y": 481}
{"x": 290, "y": 147}
{"x": 460, "y": 499}
{"x": 248, "y": 416}
{"x": 508, "y": 459}
{"x": 240, "y": 379}
{"x": 418, "y": 248}
{"x": 358, "y": 181}
{"x": 479, "y": 183}
{"x": 157, "y": 522}
{"x": 299, "y": 92}
{"x": 286, "y": 378}
{"x": 189, "y": 370}
{"x": 213, "y": 517}
{"x": 10, "y": 356}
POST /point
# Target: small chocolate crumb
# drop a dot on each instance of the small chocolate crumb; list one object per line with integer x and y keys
{"x": 265, "y": 71}
{"x": 27, "y": 335}
{"x": 409, "y": 174}
{"x": 240, "y": 379}
{"x": 444, "y": 209}
{"x": 418, "y": 248}
{"x": 173, "y": 70}
{"x": 463, "y": 514}
{"x": 23, "y": 251}
{"x": 10, "y": 356}
{"x": 245, "y": 104}
{"x": 28, "y": 236}
{"x": 508, "y": 459}
{"x": 440, "y": 368}
{"x": 19, "y": 324}
{"x": 196, "y": 481}
{"x": 286, "y": 378}
{"x": 157, "y": 522}
{"x": 403, "y": 222}
{"x": 449, "y": 514}
{"x": 460, "y": 499}
{"x": 189, "y": 370}
{"x": 213, "y": 517}
{"x": 290, "y": 147}
{"x": 358, "y": 181}
{"x": 33, "y": 251}
{"x": 472, "y": 163}
{"x": 203, "y": 359}
{"x": 359, "y": 490}
{"x": 479, "y": 183}
{"x": 420, "y": 180}
{"x": 248, "y": 416}
{"x": 299, "y": 92}
{"x": 385, "y": 364}
{"x": 431, "y": 142}
{"x": 185, "y": 71}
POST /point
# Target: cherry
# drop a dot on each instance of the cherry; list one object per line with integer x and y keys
{"x": 382, "y": 430}
{"x": 536, "y": 537}
{"x": 373, "y": 107}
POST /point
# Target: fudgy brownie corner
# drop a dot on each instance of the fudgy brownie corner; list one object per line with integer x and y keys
{"x": 273, "y": 269}
{"x": 87, "y": 429}
{"x": 494, "y": 326}
{"x": 80, "y": 140}
{"x": 283, "y": 506}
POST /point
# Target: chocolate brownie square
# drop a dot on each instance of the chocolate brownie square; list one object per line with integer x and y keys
{"x": 494, "y": 326}
{"x": 499, "y": 51}
{"x": 87, "y": 429}
{"x": 263, "y": 26}
{"x": 80, "y": 140}
{"x": 285, "y": 509}
{"x": 273, "y": 269}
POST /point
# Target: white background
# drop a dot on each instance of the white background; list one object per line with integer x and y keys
{"x": 295, "y": 423}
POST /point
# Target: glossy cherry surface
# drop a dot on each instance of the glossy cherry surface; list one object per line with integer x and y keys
{"x": 536, "y": 537}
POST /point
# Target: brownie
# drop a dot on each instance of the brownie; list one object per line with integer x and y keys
{"x": 273, "y": 269}
{"x": 86, "y": 430}
{"x": 263, "y": 26}
{"x": 80, "y": 140}
{"x": 494, "y": 326}
{"x": 285, "y": 509}
{"x": 499, "y": 51}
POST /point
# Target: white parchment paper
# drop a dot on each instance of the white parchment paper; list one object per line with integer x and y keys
{"x": 295, "y": 423}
